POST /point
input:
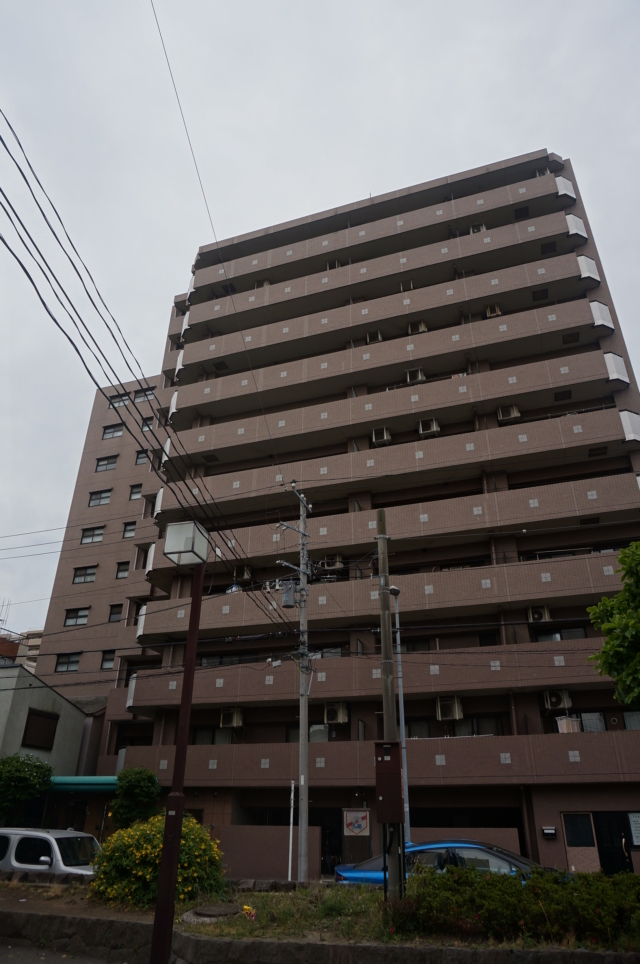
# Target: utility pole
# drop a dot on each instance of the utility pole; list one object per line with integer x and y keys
{"x": 388, "y": 689}
{"x": 395, "y": 592}
{"x": 305, "y": 670}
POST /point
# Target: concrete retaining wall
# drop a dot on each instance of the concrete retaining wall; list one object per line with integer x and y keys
{"x": 118, "y": 940}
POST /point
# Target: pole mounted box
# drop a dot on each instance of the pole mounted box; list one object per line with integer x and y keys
{"x": 389, "y": 795}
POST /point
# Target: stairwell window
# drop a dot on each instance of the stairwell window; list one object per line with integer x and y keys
{"x": 68, "y": 663}
{"x": 135, "y": 492}
{"x": 129, "y": 530}
{"x": 119, "y": 401}
{"x": 542, "y": 295}
{"x": 76, "y": 617}
{"x": 84, "y": 574}
{"x": 108, "y": 659}
{"x": 141, "y": 457}
{"x": 112, "y": 431}
{"x": 100, "y": 498}
{"x": 122, "y": 570}
{"x": 92, "y": 535}
{"x": 106, "y": 464}
{"x": 115, "y": 613}
{"x": 143, "y": 395}
{"x": 147, "y": 423}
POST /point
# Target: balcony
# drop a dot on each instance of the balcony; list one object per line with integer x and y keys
{"x": 577, "y": 581}
{"x": 611, "y": 498}
{"x": 486, "y": 670}
{"x": 560, "y": 440}
{"x": 611, "y": 757}
{"x": 315, "y": 374}
{"x": 563, "y": 277}
{"x": 384, "y": 236}
{"x": 452, "y": 400}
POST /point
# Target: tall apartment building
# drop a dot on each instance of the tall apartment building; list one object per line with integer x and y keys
{"x": 451, "y": 353}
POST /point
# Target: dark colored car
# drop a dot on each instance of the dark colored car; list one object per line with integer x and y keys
{"x": 440, "y": 854}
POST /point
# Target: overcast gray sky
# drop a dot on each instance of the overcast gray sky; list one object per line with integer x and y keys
{"x": 293, "y": 107}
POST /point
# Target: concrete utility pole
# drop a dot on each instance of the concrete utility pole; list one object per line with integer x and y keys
{"x": 305, "y": 671}
{"x": 395, "y": 592}
{"x": 388, "y": 684}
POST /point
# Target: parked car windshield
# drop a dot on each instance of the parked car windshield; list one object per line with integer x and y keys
{"x": 77, "y": 851}
{"x": 373, "y": 863}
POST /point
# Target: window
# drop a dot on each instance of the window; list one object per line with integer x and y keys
{"x": 135, "y": 492}
{"x": 599, "y": 450}
{"x": 143, "y": 395}
{"x": 92, "y": 535}
{"x": 482, "y": 860}
{"x": 106, "y": 464}
{"x": 118, "y": 401}
{"x": 541, "y": 295}
{"x": 593, "y": 722}
{"x": 203, "y": 735}
{"x": 115, "y": 613}
{"x": 430, "y": 858}
{"x": 108, "y": 659}
{"x": 418, "y": 729}
{"x": 77, "y": 851}
{"x": 572, "y": 338}
{"x": 68, "y": 663}
{"x": 488, "y": 639}
{"x": 141, "y": 457}
{"x": 222, "y": 737}
{"x": 129, "y": 530}
{"x": 85, "y": 574}
{"x": 521, "y": 213}
{"x": 478, "y": 726}
{"x": 31, "y": 849}
{"x": 578, "y": 830}
{"x": 40, "y": 730}
{"x": 76, "y": 617}
{"x": 100, "y": 498}
{"x": 632, "y": 720}
{"x": 112, "y": 431}
{"x": 122, "y": 570}
{"x": 147, "y": 423}
{"x": 548, "y": 248}
{"x": 578, "y": 633}
{"x": 293, "y": 733}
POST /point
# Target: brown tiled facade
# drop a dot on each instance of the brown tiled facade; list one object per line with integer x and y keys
{"x": 449, "y": 353}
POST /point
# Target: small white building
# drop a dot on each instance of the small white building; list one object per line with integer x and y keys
{"x": 34, "y": 718}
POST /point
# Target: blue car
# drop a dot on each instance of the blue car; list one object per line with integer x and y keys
{"x": 440, "y": 854}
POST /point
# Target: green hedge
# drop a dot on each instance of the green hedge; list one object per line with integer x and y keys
{"x": 126, "y": 868}
{"x": 550, "y": 907}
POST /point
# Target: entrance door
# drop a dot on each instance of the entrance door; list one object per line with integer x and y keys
{"x": 613, "y": 838}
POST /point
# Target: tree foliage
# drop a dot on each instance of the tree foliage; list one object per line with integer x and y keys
{"x": 136, "y": 796}
{"x": 22, "y": 778}
{"x": 126, "y": 868}
{"x": 619, "y": 621}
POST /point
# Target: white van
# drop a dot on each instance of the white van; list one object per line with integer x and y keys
{"x": 47, "y": 851}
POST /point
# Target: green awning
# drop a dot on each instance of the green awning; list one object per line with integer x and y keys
{"x": 84, "y": 784}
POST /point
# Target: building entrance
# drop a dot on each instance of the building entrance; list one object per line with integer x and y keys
{"x": 613, "y": 837}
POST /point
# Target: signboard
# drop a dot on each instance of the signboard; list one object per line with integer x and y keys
{"x": 356, "y": 823}
{"x": 634, "y": 820}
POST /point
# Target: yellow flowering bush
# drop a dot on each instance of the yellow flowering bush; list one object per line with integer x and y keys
{"x": 126, "y": 868}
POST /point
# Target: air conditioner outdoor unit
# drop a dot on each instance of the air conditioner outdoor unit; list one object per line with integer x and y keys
{"x": 381, "y": 436}
{"x": 557, "y": 699}
{"x": 241, "y": 574}
{"x": 332, "y": 562}
{"x": 336, "y": 713}
{"x": 231, "y": 717}
{"x": 428, "y": 428}
{"x": 508, "y": 413}
{"x": 449, "y": 708}
{"x": 415, "y": 376}
{"x": 373, "y": 337}
{"x": 493, "y": 311}
{"x": 417, "y": 327}
{"x": 539, "y": 614}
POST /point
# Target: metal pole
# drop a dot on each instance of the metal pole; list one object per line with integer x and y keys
{"x": 303, "y": 792}
{"x": 165, "y": 903}
{"x": 388, "y": 682}
{"x": 395, "y": 592}
{"x": 293, "y": 784}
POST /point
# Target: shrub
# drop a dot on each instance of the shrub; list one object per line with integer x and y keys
{"x": 22, "y": 778}
{"x": 136, "y": 797}
{"x": 548, "y": 907}
{"x": 126, "y": 869}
